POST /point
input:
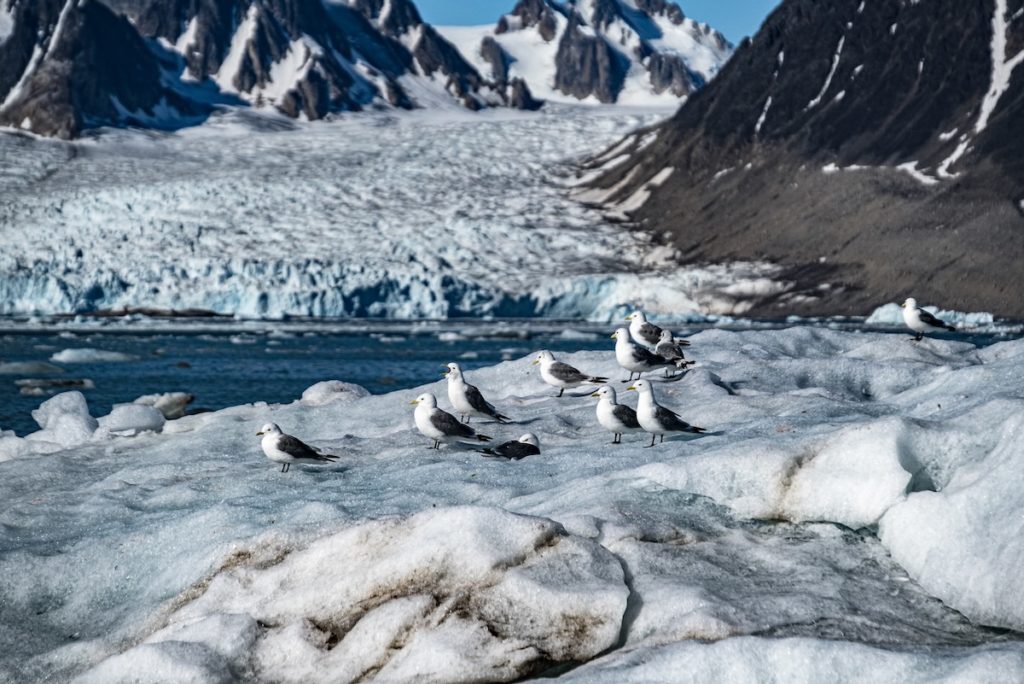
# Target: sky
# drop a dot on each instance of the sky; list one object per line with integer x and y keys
{"x": 735, "y": 18}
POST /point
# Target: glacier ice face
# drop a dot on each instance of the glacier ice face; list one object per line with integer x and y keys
{"x": 345, "y": 218}
{"x": 186, "y": 552}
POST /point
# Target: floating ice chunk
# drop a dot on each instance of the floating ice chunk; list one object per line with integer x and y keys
{"x": 86, "y": 355}
{"x": 856, "y": 478}
{"x": 64, "y": 420}
{"x": 330, "y": 391}
{"x": 131, "y": 419}
{"x": 171, "y": 404}
{"x": 29, "y": 368}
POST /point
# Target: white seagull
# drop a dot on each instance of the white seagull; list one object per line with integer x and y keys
{"x": 672, "y": 349}
{"x": 920, "y": 321}
{"x": 646, "y": 333}
{"x": 618, "y": 418}
{"x": 636, "y": 359}
{"x": 657, "y": 419}
{"x": 527, "y": 445}
{"x": 562, "y": 375}
{"x": 467, "y": 399}
{"x": 285, "y": 449}
{"x": 439, "y": 425}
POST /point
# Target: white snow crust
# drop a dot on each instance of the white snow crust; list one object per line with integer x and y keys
{"x": 855, "y": 492}
{"x": 345, "y": 218}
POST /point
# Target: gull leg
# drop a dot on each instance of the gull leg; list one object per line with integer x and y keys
{"x": 651, "y": 444}
{"x": 561, "y": 392}
{"x": 662, "y": 440}
{"x": 282, "y": 467}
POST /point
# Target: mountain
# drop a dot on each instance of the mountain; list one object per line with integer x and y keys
{"x": 69, "y": 65}
{"x": 875, "y": 148}
{"x": 609, "y": 51}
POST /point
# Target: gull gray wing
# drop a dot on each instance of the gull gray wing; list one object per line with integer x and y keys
{"x": 626, "y": 416}
{"x": 296, "y": 448}
{"x": 672, "y": 422}
{"x": 669, "y": 351}
{"x": 933, "y": 321}
{"x": 450, "y": 425}
{"x": 477, "y": 401}
{"x": 650, "y": 333}
{"x": 513, "y": 451}
{"x": 567, "y": 373}
{"x": 641, "y": 355}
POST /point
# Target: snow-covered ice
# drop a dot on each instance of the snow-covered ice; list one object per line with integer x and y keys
{"x": 341, "y": 218}
{"x": 854, "y": 515}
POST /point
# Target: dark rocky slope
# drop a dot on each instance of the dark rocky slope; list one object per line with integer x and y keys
{"x": 876, "y": 146}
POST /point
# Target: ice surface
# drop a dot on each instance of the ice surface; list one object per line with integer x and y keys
{"x": 130, "y": 419}
{"x": 171, "y": 405}
{"x": 64, "y": 420}
{"x": 330, "y": 391}
{"x": 853, "y": 515}
{"x": 342, "y": 218}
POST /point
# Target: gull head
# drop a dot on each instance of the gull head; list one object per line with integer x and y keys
{"x": 911, "y": 303}
{"x": 426, "y": 399}
{"x": 530, "y": 438}
{"x": 604, "y": 392}
{"x": 640, "y": 386}
{"x": 621, "y": 334}
{"x": 544, "y": 357}
{"x": 453, "y": 370}
{"x": 637, "y": 316}
{"x": 269, "y": 429}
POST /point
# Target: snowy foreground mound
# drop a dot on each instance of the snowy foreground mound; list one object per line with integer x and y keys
{"x": 855, "y": 514}
{"x": 413, "y": 216}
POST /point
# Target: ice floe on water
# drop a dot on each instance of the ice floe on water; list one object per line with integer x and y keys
{"x": 342, "y": 218}
{"x": 853, "y": 515}
{"x": 86, "y": 355}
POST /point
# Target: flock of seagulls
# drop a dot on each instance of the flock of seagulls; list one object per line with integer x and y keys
{"x": 641, "y": 348}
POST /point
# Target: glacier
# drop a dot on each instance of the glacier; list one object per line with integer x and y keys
{"x": 420, "y": 215}
{"x": 854, "y": 515}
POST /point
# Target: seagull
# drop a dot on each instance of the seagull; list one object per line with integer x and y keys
{"x": 527, "y": 445}
{"x": 636, "y": 359}
{"x": 562, "y": 375}
{"x": 646, "y": 333}
{"x": 657, "y": 419}
{"x": 618, "y": 418}
{"x": 920, "y": 321}
{"x": 285, "y": 449}
{"x": 467, "y": 399}
{"x": 671, "y": 349}
{"x": 439, "y": 425}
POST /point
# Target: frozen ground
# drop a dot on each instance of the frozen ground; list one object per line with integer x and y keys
{"x": 854, "y": 515}
{"x": 420, "y": 215}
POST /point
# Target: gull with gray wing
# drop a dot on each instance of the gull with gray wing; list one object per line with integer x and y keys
{"x": 657, "y": 419}
{"x": 467, "y": 399}
{"x": 562, "y": 375}
{"x": 527, "y": 445}
{"x": 286, "y": 450}
{"x": 618, "y": 418}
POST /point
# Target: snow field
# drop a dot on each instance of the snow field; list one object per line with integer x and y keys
{"x": 855, "y": 493}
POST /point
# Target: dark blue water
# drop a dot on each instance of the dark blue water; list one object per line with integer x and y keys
{"x": 228, "y": 368}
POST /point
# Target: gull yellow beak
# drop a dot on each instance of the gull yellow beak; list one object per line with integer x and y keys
{"x": 535, "y": 363}
{"x": 259, "y": 434}
{"x": 628, "y": 318}
{"x": 903, "y": 305}
{"x": 445, "y": 374}
{"x": 595, "y": 394}
{"x": 614, "y": 335}
{"x": 631, "y": 389}
{"x": 414, "y": 402}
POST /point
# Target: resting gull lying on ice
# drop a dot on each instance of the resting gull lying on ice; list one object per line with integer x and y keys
{"x": 646, "y": 333}
{"x": 527, "y": 445}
